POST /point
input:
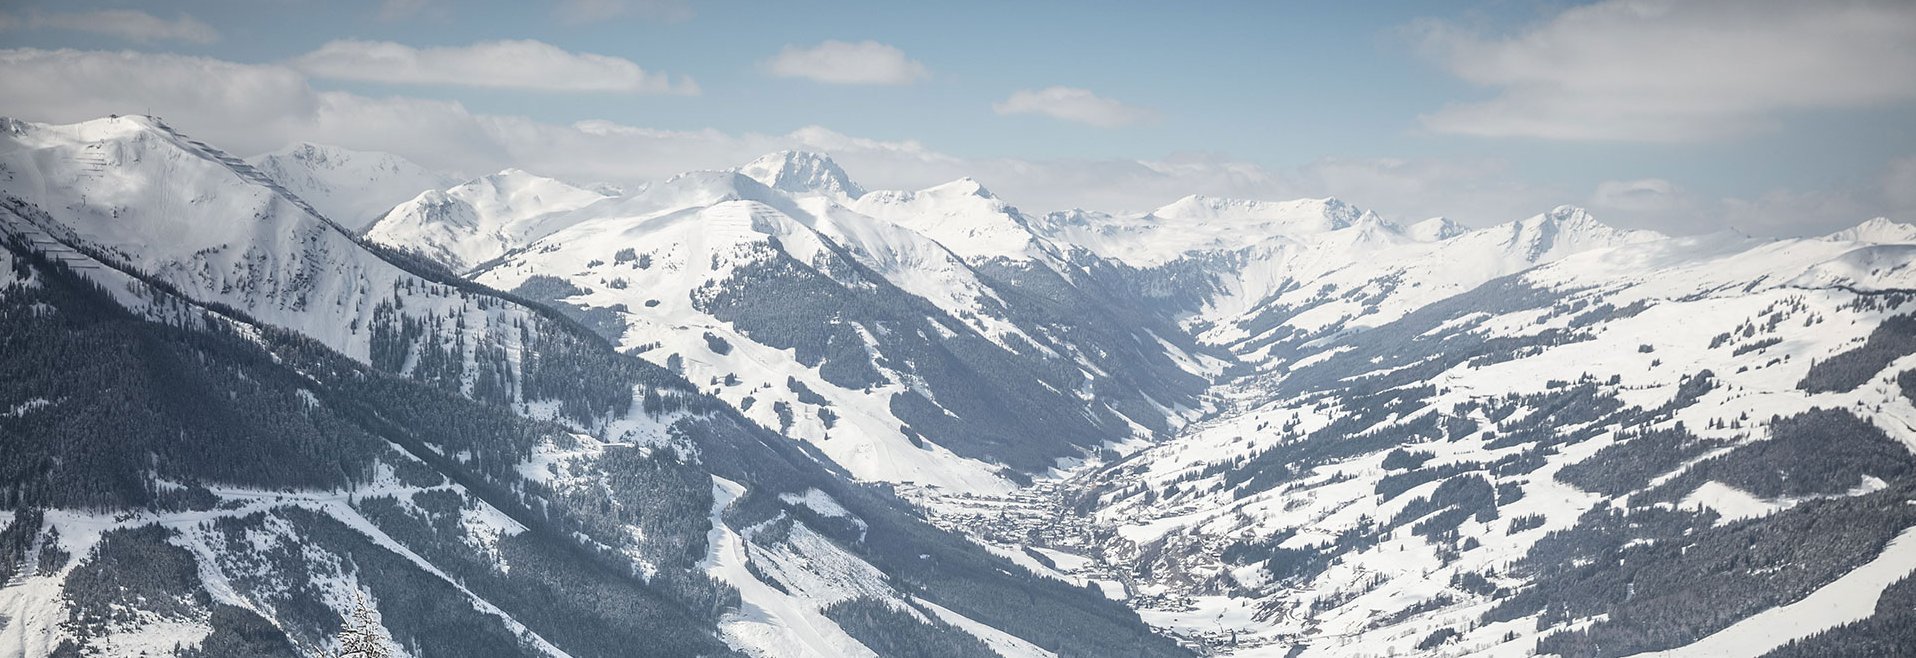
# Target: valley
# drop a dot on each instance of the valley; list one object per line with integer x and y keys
{"x": 766, "y": 411}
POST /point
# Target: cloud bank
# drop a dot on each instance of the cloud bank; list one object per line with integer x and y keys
{"x": 843, "y": 63}
{"x": 522, "y": 64}
{"x": 254, "y": 108}
{"x": 1073, "y": 104}
{"x": 1676, "y": 70}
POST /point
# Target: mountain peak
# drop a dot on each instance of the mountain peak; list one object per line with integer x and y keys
{"x": 802, "y": 172}
{"x": 961, "y": 215}
{"x": 966, "y": 186}
{"x": 1294, "y": 216}
{"x": 351, "y": 187}
{"x": 321, "y": 155}
{"x": 1569, "y": 229}
{"x": 1878, "y": 230}
{"x": 1436, "y": 229}
{"x": 1569, "y": 214}
{"x": 480, "y": 219}
{"x": 1568, "y": 218}
{"x": 1370, "y": 220}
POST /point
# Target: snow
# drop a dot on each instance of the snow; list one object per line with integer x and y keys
{"x": 351, "y": 187}
{"x": 1006, "y": 644}
{"x": 681, "y": 228}
{"x": 27, "y": 407}
{"x": 802, "y": 173}
{"x": 770, "y": 623}
{"x": 817, "y": 501}
{"x": 1691, "y": 289}
{"x": 1734, "y": 504}
{"x": 961, "y": 215}
{"x": 1435, "y": 229}
{"x": 1336, "y": 265}
{"x": 482, "y": 219}
{"x": 1874, "y": 267}
{"x": 1881, "y": 230}
{"x": 215, "y": 230}
{"x": 1849, "y": 598}
{"x": 1198, "y": 224}
{"x": 35, "y": 609}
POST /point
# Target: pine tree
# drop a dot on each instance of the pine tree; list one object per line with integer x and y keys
{"x": 363, "y": 637}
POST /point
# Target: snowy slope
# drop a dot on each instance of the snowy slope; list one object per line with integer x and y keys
{"x": 1880, "y": 230}
{"x": 481, "y": 219}
{"x": 353, "y": 188}
{"x": 1263, "y": 278}
{"x": 1635, "y": 324}
{"x": 1435, "y": 229}
{"x": 661, "y": 259}
{"x": 218, "y": 231}
{"x": 963, "y": 216}
{"x": 1376, "y": 277}
{"x": 486, "y": 479}
{"x": 677, "y": 255}
{"x": 1543, "y": 436}
{"x": 1198, "y": 224}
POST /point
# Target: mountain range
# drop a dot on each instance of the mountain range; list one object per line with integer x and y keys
{"x": 766, "y": 411}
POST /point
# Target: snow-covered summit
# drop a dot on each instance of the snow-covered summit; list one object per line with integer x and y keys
{"x": 1436, "y": 229}
{"x": 1296, "y": 216}
{"x": 962, "y": 215}
{"x": 802, "y": 173}
{"x": 1565, "y": 230}
{"x": 353, "y": 188}
{"x": 1881, "y": 230}
{"x": 481, "y": 219}
{"x": 204, "y": 223}
{"x": 1205, "y": 224}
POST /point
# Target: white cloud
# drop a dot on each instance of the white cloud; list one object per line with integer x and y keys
{"x": 1647, "y": 194}
{"x": 253, "y": 108}
{"x": 1777, "y": 212}
{"x": 844, "y": 63}
{"x": 587, "y": 11}
{"x": 1677, "y": 70}
{"x": 129, "y": 24}
{"x": 1073, "y": 104}
{"x": 239, "y": 105}
{"x": 522, "y": 64}
{"x": 1796, "y": 213}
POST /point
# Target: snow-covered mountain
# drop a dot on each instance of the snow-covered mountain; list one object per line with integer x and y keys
{"x": 892, "y": 354}
{"x": 481, "y": 219}
{"x": 232, "y": 425}
{"x": 1262, "y": 278}
{"x": 1879, "y": 230}
{"x": 1399, "y": 371}
{"x": 1435, "y": 229}
{"x": 1699, "y": 445}
{"x": 723, "y": 412}
{"x": 1197, "y": 225}
{"x": 964, "y": 216}
{"x": 353, "y": 188}
{"x": 803, "y": 173}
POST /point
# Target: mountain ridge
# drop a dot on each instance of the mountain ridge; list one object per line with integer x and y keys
{"x": 747, "y": 411}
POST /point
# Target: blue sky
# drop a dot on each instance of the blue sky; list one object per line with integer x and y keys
{"x": 1473, "y": 110}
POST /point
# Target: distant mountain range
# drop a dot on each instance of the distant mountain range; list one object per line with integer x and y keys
{"x": 765, "y": 411}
